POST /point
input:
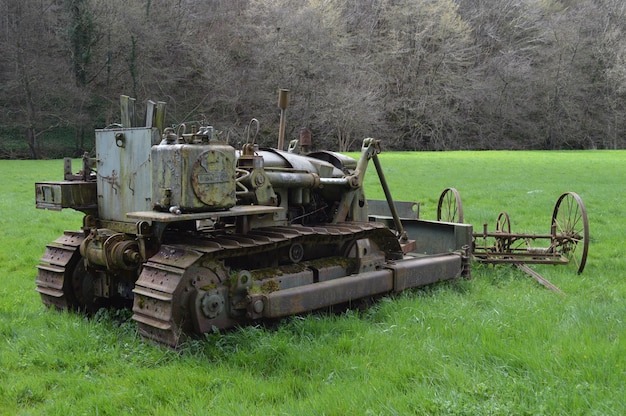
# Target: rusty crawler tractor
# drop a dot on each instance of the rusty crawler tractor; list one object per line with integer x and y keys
{"x": 196, "y": 235}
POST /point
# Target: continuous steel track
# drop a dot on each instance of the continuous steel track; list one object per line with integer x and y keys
{"x": 55, "y": 270}
{"x": 169, "y": 282}
{"x": 197, "y": 282}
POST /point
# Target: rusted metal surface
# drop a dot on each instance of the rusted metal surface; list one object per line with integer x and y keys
{"x": 392, "y": 207}
{"x": 197, "y": 236}
{"x": 193, "y": 177}
{"x": 571, "y": 225}
{"x": 55, "y": 270}
{"x": 449, "y": 207}
{"x": 79, "y": 195}
{"x": 199, "y": 268}
{"x": 422, "y": 271}
{"x": 539, "y": 278}
{"x": 380, "y": 209}
{"x": 124, "y": 171}
{"x": 332, "y": 292}
{"x": 199, "y": 272}
{"x": 567, "y": 242}
{"x": 283, "y": 102}
{"x": 237, "y": 211}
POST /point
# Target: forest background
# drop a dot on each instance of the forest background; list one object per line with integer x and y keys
{"x": 418, "y": 74}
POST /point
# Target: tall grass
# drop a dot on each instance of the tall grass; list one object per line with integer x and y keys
{"x": 497, "y": 344}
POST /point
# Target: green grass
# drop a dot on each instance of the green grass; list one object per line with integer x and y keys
{"x": 498, "y": 344}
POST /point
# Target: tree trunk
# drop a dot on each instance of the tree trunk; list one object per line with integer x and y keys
{"x": 79, "y": 141}
{"x": 31, "y": 139}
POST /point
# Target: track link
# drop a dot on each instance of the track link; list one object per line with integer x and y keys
{"x": 55, "y": 268}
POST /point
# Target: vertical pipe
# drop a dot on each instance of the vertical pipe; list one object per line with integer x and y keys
{"x": 127, "y": 109}
{"x": 283, "y": 101}
{"x": 150, "y": 108}
{"x": 159, "y": 121}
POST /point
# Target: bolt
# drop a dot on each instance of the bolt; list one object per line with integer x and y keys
{"x": 258, "y": 306}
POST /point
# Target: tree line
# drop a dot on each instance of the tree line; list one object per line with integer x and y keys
{"x": 418, "y": 74}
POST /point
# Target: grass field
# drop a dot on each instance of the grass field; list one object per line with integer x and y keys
{"x": 498, "y": 344}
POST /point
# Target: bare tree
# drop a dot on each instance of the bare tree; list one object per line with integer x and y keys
{"x": 509, "y": 36}
{"x": 421, "y": 74}
{"x": 33, "y": 69}
{"x": 610, "y": 51}
{"x": 427, "y": 51}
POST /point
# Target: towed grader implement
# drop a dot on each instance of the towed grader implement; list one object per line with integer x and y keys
{"x": 567, "y": 242}
{"x": 196, "y": 235}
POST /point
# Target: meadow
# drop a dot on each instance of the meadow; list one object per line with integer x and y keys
{"x": 497, "y": 344}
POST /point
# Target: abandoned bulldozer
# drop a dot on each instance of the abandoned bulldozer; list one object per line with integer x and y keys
{"x": 197, "y": 235}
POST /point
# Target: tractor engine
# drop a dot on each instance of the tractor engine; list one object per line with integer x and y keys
{"x": 193, "y": 173}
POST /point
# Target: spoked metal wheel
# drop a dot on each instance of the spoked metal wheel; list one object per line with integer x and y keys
{"x": 570, "y": 227}
{"x": 503, "y": 225}
{"x": 449, "y": 208}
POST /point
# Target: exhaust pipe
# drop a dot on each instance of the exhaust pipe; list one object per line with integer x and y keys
{"x": 283, "y": 101}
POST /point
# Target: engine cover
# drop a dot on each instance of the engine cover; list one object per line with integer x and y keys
{"x": 193, "y": 177}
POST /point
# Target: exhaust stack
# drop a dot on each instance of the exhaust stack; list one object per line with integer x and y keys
{"x": 283, "y": 101}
